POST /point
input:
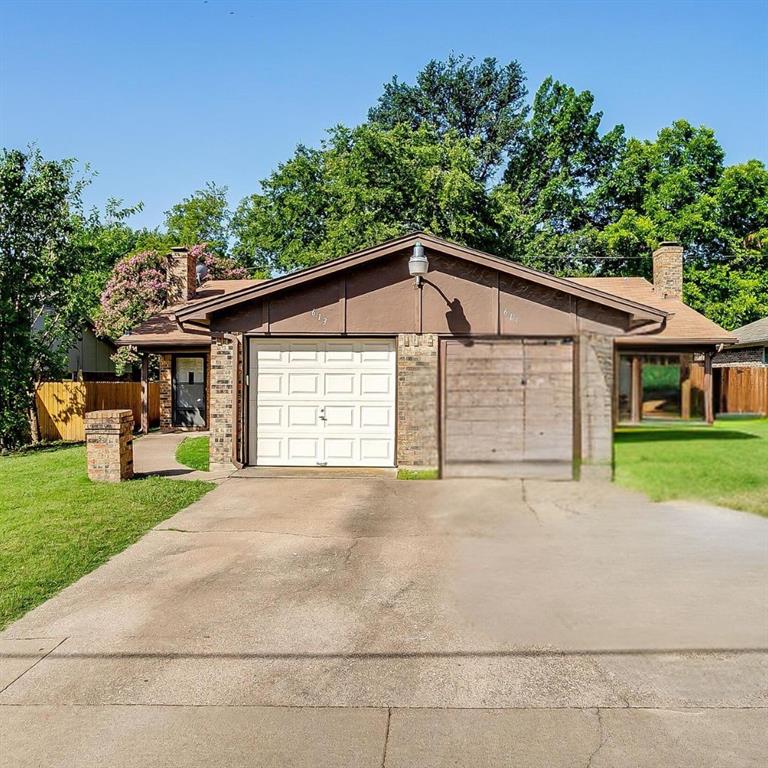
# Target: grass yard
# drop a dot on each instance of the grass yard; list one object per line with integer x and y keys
{"x": 56, "y": 525}
{"x": 193, "y": 453}
{"x": 417, "y": 474}
{"x": 726, "y": 464}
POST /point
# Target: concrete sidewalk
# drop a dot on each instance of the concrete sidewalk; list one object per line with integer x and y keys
{"x": 356, "y": 622}
{"x": 155, "y": 454}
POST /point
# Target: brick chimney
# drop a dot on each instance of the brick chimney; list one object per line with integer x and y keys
{"x": 668, "y": 270}
{"x": 181, "y": 270}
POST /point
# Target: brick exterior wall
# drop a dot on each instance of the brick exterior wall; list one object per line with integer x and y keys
{"x": 668, "y": 270}
{"x": 109, "y": 445}
{"x": 596, "y": 394}
{"x": 166, "y": 394}
{"x": 222, "y": 415}
{"x": 417, "y": 400}
{"x": 742, "y": 356}
{"x": 183, "y": 276}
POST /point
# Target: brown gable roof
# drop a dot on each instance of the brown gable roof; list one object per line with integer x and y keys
{"x": 201, "y": 310}
{"x": 162, "y": 330}
{"x": 683, "y": 322}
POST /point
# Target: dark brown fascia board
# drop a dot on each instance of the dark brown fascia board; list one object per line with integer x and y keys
{"x": 650, "y": 341}
{"x": 125, "y": 341}
{"x": 202, "y": 309}
{"x": 748, "y": 344}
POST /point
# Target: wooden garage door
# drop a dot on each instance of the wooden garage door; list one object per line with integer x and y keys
{"x": 508, "y": 408}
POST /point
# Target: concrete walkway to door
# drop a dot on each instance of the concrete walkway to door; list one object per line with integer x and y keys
{"x": 155, "y": 454}
{"x": 369, "y": 622}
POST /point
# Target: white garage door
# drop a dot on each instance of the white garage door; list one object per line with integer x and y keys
{"x": 322, "y": 402}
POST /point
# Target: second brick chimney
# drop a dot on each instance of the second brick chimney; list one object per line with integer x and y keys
{"x": 183, "y": 279}
{"x": 668, "y": 270}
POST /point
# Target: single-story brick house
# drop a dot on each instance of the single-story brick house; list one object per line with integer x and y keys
{"x": 420, "y": 353}
{"x": 750, "y": 348}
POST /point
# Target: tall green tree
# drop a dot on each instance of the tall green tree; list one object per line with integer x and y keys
{"x": 37, "y": 263}
{"x": 549, "y": 205}
{"x": 677, "y": 187}
{"x": 363, "y": 186}
{"x": 483, "y": 102}
{"x": 99, "y": 240}
{"x": 203, "y": 217}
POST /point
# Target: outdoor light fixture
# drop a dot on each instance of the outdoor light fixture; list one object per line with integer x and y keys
{"x": 201, "y": 273}
{"x": 418, "y": 263}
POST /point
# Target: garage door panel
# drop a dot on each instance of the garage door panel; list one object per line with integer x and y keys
{"x": 340, "y": 449}
{"x": 270, "y": 415}
{"x": 376, "y": 451}
{"x": 298, "y": 416}
{"x": 329, "y": 401}
{"x": 512, "y": 348}
{"x": 460, "y": 399}
{"x": 482, "y": 382}
{"x": 491, "y": 366}
{"x": 339, "y": 416}
{"x": 303, "y": 384}
{"x": 508, "y": 409}
{"x": 339, "y": 383}
{"x": 491, "y": 449}
{"x": 270, "y": 448}
{"x": 377, "y": 416}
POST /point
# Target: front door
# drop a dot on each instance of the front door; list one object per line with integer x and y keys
{"x": 326, "y": 402}
{"x": 189, "y": 391}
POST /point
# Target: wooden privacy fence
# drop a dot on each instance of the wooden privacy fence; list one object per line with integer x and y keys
{"x": 62, "y": 405}
{"x": 743, "y": 390}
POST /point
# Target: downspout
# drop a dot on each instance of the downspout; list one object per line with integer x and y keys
{"x": 236, "y": 343}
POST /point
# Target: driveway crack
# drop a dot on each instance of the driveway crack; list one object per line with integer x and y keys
{"x": 349, "y": 551}
{"x": 602, "y": 736}
{"x": 386, "y": 738}
{"x": 527, "y": 503}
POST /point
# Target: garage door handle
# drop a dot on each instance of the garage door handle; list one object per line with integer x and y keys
{"x": 322, "y": 416}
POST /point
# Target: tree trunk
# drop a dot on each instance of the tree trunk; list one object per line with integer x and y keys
{"x": 34, "y": 421}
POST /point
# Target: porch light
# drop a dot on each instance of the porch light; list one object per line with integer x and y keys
{"x": 418, "y": 263}
{"x": 201, "y": 273}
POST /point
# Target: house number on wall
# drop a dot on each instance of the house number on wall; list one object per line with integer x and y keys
{"x": 320, "y": 317}
{"x": 510, "y": 315}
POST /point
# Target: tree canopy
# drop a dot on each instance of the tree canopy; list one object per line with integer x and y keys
{"x": 203, "y": 217}
{"x": 37, "y": 266}
{"x": 483, "y": 102}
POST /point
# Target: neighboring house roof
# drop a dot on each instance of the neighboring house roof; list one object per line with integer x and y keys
{"x": 752, "y": 334}
{"x": 683, "y": 323}
{"x": 201, "y": 310}
{"x": 162, "y": 330}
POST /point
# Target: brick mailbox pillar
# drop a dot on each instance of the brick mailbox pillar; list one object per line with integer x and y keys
{"x": 109, "y": 440}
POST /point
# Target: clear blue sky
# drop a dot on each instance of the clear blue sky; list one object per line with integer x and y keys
{"x": 161, "y": 97}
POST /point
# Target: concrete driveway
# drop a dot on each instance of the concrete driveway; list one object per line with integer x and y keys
{"x": 375, "y": 622}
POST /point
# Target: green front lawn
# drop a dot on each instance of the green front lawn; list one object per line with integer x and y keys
{"x": 193, "y": 452}
{"x": 417, "y": 474}
{"x": 725, "y": 464}
{"x": 56, "y": 525}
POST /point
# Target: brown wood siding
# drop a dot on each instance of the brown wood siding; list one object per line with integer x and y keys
{"x": 508, "y": 408}
{"x": 457, "y": 298}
